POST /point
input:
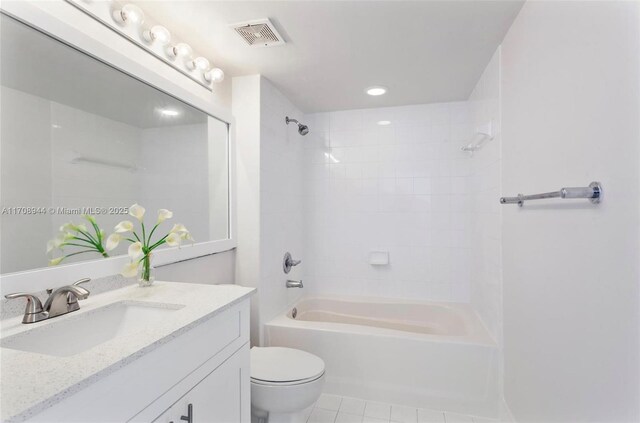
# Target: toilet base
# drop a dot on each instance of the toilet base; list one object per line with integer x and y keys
{"x": 262, "y": 417}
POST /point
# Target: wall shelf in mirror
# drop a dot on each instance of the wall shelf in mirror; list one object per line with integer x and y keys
{"x": 107, "y": 163}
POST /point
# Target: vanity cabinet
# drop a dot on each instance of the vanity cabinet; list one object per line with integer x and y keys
{"x": 206, "y": 366}
{"x": 216, "y": 398}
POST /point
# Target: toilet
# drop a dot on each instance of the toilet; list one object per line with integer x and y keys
{"x": 284, "y": 382}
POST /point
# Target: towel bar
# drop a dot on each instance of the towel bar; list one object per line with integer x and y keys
{"x": 593, "y": 192}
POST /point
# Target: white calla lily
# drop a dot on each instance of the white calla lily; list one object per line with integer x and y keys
{"x": 164, "y": 214}
{"x": 178, "y": 228}
{"x": 55, "y": 261}
{"x": 51, "y": 245}
{"x": 57, "y": 241}
{"x": 137, "y": 211}
{"x": 67, "y": 227}
{"x": 135, "y": 250}
{"x": 130, "y": 270}
{"x": 71, "y": 227}
{"x": 113, "y": 241}
{"x": 124, "y": 226}
{"x": 186, "y": 236}
{"x": 173, "y": 239}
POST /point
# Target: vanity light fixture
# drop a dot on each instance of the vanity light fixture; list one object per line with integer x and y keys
{"x": 376, "y": 91}
{"x": 129, "y": 21}
{"x": 384, "y": 122}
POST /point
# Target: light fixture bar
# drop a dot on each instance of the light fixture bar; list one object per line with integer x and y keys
{"x": 130, "y": 22}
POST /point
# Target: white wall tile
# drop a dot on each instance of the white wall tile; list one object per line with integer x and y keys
{"x": 380, "y": 195}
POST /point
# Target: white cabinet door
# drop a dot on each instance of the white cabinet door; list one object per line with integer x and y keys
{"x": 221, "y": 397}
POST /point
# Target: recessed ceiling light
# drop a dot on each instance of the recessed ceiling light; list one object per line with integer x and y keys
{"x": 169, "y": 112}
{"x": 384, "y": 122}
{"x": 376, "y": 90}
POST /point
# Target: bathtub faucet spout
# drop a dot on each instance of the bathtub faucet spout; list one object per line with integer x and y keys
{"x": 294, "y": 284}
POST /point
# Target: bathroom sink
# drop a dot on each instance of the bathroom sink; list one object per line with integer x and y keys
{"x": 85, "y": 330}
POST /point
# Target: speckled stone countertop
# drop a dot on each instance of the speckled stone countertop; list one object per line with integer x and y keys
{"x": 32, "y": 382}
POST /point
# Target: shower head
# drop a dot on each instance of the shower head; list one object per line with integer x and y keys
{"x": 302, "y": 128}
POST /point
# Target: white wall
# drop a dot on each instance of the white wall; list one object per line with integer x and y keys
{"x": 281, "y": 200}
{"x": 484, "y": 190}
{"x": 246, "y": 110}
{"x": 28, "y": 158}
{"x": 571, "y": 102}
{"x": 401, "y": 188}
{"x": 270, "y": 196}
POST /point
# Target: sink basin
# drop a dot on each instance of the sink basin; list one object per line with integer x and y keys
{"x": 82, "y": 331}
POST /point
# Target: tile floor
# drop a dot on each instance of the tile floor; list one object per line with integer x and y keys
{"x": 336, "y": 409}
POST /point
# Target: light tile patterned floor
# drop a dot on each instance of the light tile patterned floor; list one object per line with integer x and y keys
{"x": 336, "y": 409}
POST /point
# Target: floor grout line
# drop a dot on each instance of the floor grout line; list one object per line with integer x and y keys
{"x": 388, "y": 419}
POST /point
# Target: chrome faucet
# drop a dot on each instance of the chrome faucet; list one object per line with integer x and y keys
{"x": 65, "y": 299}
{"x": 61, "y": 301}
{"x": 294, "y": 284}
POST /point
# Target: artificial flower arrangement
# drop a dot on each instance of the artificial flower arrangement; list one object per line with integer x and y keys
{"x": 140, "y": 250}
{"x": 78, "y": 236}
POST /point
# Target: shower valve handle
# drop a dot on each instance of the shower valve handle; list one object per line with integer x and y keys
{"x": 289, "y": 262}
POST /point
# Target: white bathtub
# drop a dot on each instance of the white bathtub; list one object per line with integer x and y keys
{"x": 431, "y": 355}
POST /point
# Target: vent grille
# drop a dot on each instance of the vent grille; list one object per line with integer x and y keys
{"x": 259, "y": 33}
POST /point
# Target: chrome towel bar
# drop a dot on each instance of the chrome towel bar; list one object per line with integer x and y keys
{"x": 593, "y": 192}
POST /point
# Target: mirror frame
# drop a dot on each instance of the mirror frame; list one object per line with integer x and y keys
{"x": 49, "y": 18}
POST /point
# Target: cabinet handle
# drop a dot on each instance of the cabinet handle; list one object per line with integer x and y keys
{"x": 189, "y": 417}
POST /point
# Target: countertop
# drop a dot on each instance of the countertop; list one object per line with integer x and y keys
{"x": 32, "y": 382}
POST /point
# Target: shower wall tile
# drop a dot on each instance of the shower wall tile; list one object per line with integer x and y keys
{"x": 401, "y": 188}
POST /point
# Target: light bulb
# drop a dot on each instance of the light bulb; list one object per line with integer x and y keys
{"x": 180, "y": 50}
{"x": 157, "y": 33}
{"x": 214, "y": 75}
{"x": 130, "y": 14}
{"x": 201, "y": 63}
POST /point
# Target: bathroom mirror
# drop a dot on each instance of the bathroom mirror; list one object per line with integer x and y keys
{"x": 81, "y": 137}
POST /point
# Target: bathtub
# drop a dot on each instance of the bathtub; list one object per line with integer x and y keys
{"x": 419, "y": 354}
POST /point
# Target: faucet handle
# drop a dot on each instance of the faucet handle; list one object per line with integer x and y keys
{"x": 81, "y": 281}
{"x": 33, "y": 312}
{"x": 76, "y": 283}
{"x": 288, "y": 262}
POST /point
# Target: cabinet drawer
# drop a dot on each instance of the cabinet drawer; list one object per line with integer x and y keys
{"x": 127, "y": 391}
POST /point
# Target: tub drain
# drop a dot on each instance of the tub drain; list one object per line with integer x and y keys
{"x": 294, "y": 312}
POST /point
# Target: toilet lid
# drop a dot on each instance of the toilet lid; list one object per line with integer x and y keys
{"x": 281, "y": 365}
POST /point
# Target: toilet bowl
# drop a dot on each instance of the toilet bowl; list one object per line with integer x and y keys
{"x": 284, "y": 382}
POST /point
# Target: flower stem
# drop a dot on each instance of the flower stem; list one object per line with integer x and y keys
{"x": 150, "y": 234}
{"x": 159, "y": 243}
{"x": 146, "y": 268}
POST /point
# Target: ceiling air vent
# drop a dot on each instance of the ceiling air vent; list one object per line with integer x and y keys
{"x": 259, "y": 33}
